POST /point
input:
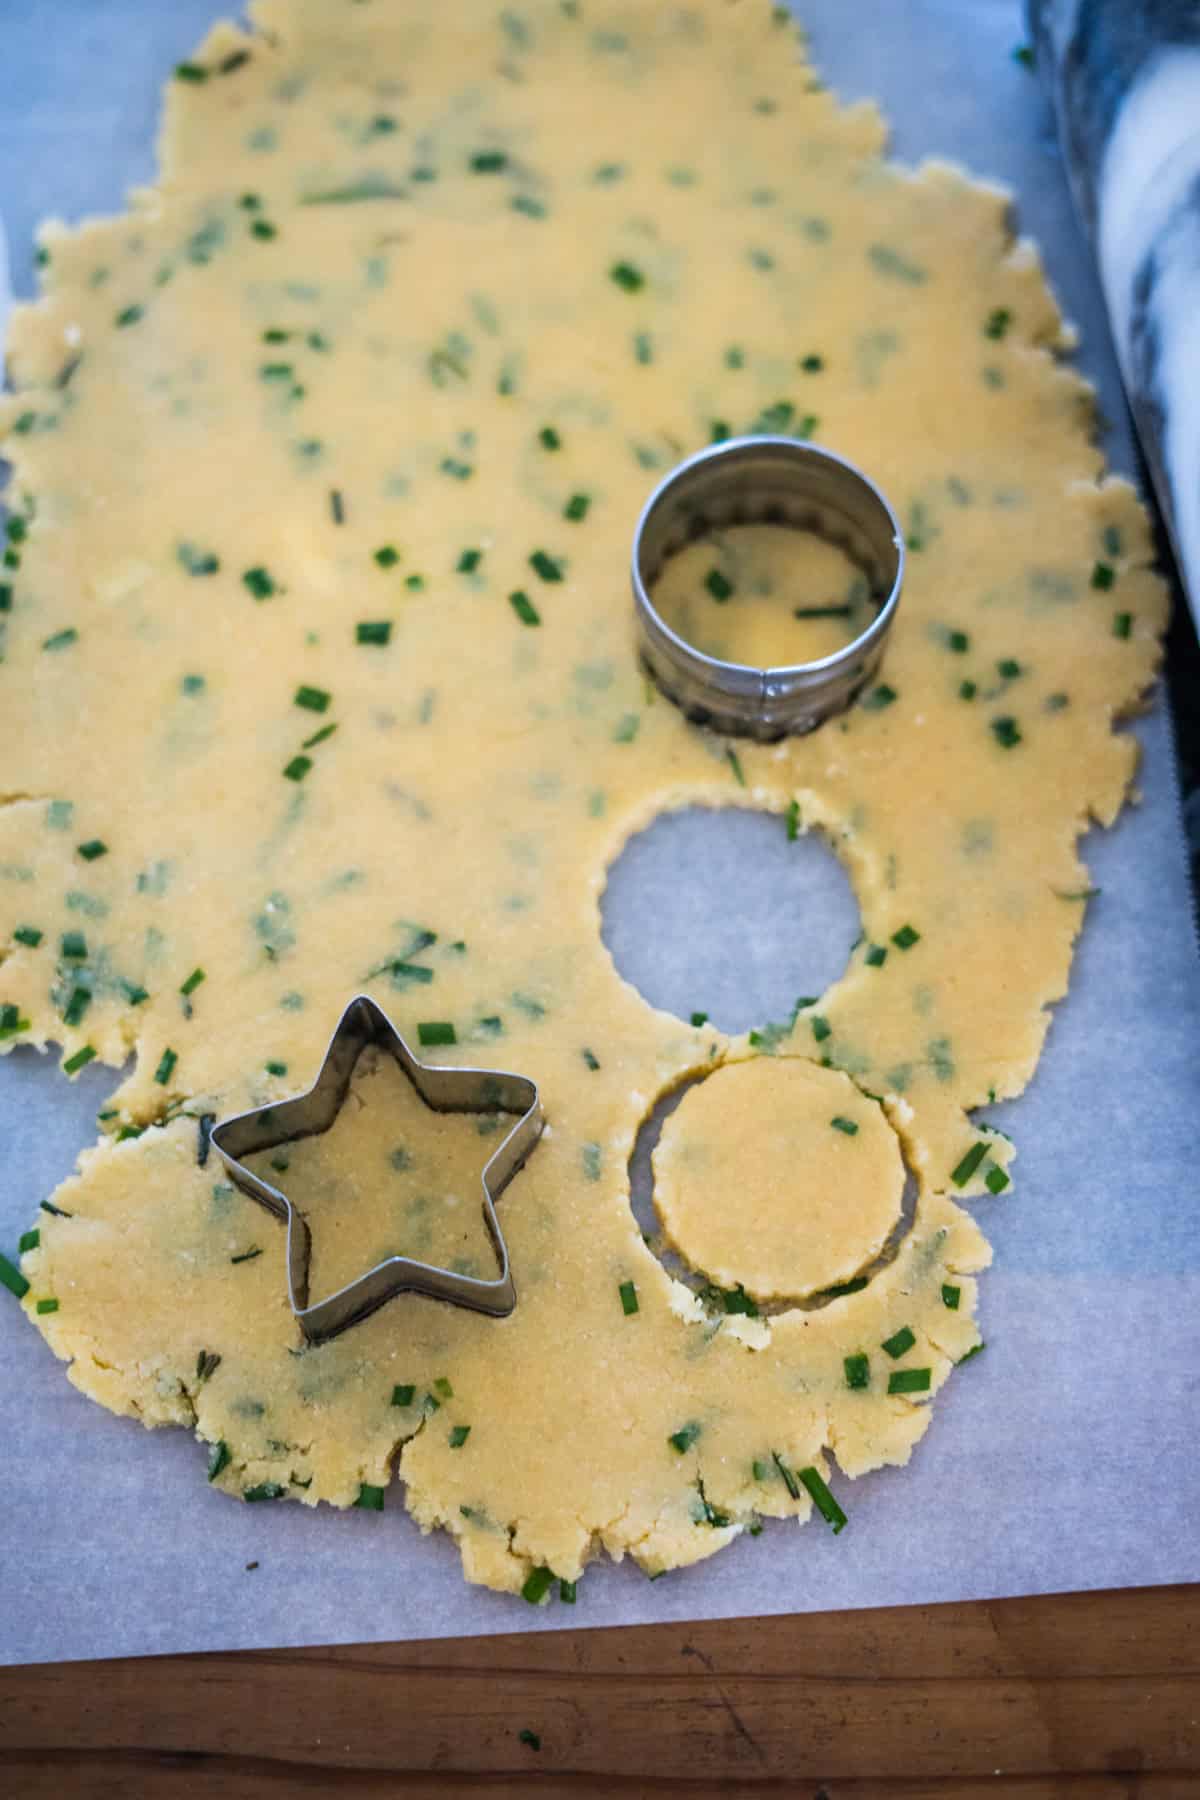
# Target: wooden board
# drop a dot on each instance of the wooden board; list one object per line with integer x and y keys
{"x": 1083, "y": 1695}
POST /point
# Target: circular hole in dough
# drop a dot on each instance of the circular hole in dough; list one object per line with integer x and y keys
{"x": 779, "y": 1177}
{"x": 715, "y": 910}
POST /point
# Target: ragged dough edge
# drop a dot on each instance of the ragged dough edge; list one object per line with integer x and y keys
{"x": 1028, "y": 270}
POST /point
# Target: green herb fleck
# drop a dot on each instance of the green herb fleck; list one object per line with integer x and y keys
{"x": 59, "y": 640}
{"x": 629, "y": 1298}
{"x": 793, "y": 821}
{"x": 900, "y": 1343}
{"x": 531, "y": 1737}
{"x": 488, "y": 162}
{"x": 576, "y": 508}
{"x": 265, "y": 1490}
{"x": 403, "y": 1395}
{"x": 1122, "y": 625}
{"x": 888, "y": 261}
{"x": 166, "y": 1067}
{"x": 995, "y": 1181}
{"x": 47, "y": 1306}
{"x": 847, "y": 1127}
{"x": 373, "y": 631}
{"x": 909, "y": 1381}
{"x": 683, "y": 1439}
{"x": 298, "y": 768}
{"x": 260, "y": 582}
{"x": 537, "y": 1585}
{"x": 876, "y": 956}
{"x": 906, "y": 937}
{"x": 548, "y": 567}
{"x": 387, "y": 556}
{"x": 458, "y": 1436}
{"x": 524, "y": 608}
{"x": 878, "y": 698}
{"x": 313, "y": 699}
{"x": 189, "y": 71}
{"x": 436, "y": 1031}
{"x": 27, "y": 934}
{"x": 129, "y": 315}
{"x": 1006, "y": 731}
{"x": 627, "y": 276}
{"x": 858, "y": 1371}
{"x": 80, "y": 1060}
{"x": 718, "y": 585}
{"x": 950, "y": 1296}
{"x": 821, "y": 1028}
{"x": 95, "y": 847}
{"x": 12, "y": 1278}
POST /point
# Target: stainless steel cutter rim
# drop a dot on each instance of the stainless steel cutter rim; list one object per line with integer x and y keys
{"x": 364, "y": 1022}
{"x": 741, "y": 697}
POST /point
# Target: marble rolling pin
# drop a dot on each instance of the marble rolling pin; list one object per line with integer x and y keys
{"x": 1124, "y": 80}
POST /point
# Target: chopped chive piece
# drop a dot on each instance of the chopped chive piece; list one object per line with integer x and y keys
{"x": 129, "y": 315}
{"x": 909, "y": 1381}
{"x": 1009, "y": 668}
{"x": 459, "y": 1435}
{"x": 29, "y": 1240}
{"x": 265, "y": 1490}
{"x": 629, "y": 1298}
{"x": 967, "y": 690}
{"x": 524, "y": 608}
{"x": 876, "y": 956}
{"x": 789, "y": 1480}
{"x": 1006, "y": 732}
{"x": 1103, "y": 575}
{"x": 337, "y": 506}
{"x": 878, "y": 698}
{"x": 1024, "y": 56}
{"x": 74, "y": 946}
{"x": 276, "y": 1068}
{"x": 193, "y": 684}
{"x": 531, "y": 1737}
{"x": 218, "y": 1459}
{"x": 387, "y": 556}
{"x": 847, "y": 1127}
{"x": 950, "y": 1296}
{"x": 900, "y": 1343}
{"x": 6, "y": 596}
{"x": 822, "y": 1499}
{"x": 995, "y": 1181}
{"x": 469, "y": 561}
{"x": 134, "y": 994}
{"x": 735, "y": 764}
{"x": 683, "y": 1439}
{"x": 298, "y": 768}
{"x": 415, "y": 582}
{"x": 567, "y": 1591}
{"x": 718, "y": 585}
{"x": 80, "y": 1060}
{"x": 403, "y": 1394}
{"x": 78, "y": 1003}
{"x": 444, "y": 1387}
{"x": 189, "y": 71}
{"x": 262, "y": 228}
{"x": 969, "y": 1164}
{"x": 627, "y": 276}
{"x": 548, "y": 567}
{"x": 858, "y": 1371}
{"x": 821, "y": 1028}
{"x": 207, "y": 1364}
{"x": 958, "y": 641}
{"x": 59, "y": 640}
{"x": 259, "y": 581}
{"x": 436, "y": 1031}
{"x": 11, "y": 1021}
{"x": 488, "y": 162}
{"x": 537, "y": 1585}
{"x": 431, "y": 1404}
{"x": 975, "y": 1350}
{"x": 56, "y": 1212}
{"x": 699, "y": 1019}
{"x": 198, "y": 562}
{"x": 313, "y": 699}
{"x": 166, "y": 1067}
{"x": 906, "y": 937}
{"x": 577, "y": 507}
{"x": 95, "y": 847}
{"x": 997, "y": 323}
{"x": 247, "y": 1255}
{"x": 451, "y": 465}
{"x": 812, "y": 365}
{"x": 793, "y": 821}
{"x": 369, "y": 1498}
{"x": 47, "y": 1306}
{"x": 318, "y": 737}
{"x": 1122, "y": 624}
{"x": 549, "y": 438}
{"x": 821, "y": 612}
{"x": 12, "y": 1278}
{"x": 373, "y": 631}
{"x": 590, "y": 1058}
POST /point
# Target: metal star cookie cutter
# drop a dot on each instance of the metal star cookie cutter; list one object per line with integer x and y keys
{"x": 364, "y": 1023}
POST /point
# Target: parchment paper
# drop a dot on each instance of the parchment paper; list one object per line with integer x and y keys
{"x": 1062, "y": 1458}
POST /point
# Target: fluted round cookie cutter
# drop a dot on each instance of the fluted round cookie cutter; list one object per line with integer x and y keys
{"x": 775, "y": 481}
{"x": 488, "y": 1091}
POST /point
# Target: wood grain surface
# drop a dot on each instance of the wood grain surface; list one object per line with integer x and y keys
{"x": 1087, "y": 1696}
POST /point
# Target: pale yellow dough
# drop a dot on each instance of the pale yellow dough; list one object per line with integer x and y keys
{"x": 778, "y": 1177}
{"x": 432, "y": 281}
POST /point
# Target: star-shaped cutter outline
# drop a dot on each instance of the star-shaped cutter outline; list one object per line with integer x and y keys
{"x": 362, "y": 1024}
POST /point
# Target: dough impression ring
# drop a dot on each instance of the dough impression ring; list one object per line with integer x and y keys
{"x": 491, "y": 1091}
{"x": 777, "y": 481}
